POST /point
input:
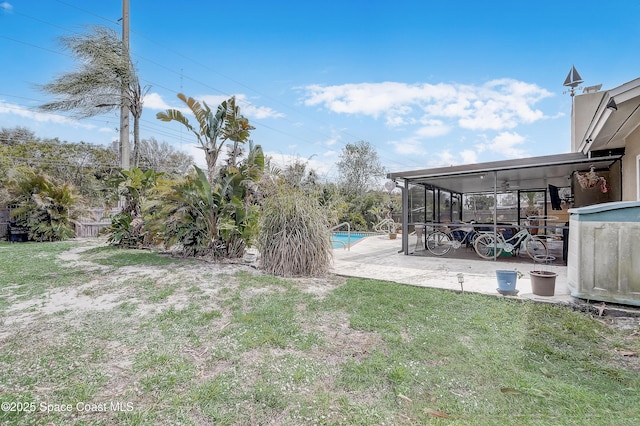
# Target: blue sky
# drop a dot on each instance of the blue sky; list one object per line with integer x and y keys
{"x": 427, "y": 83}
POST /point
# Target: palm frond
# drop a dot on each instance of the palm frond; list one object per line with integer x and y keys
{"x": 198, "y": 111}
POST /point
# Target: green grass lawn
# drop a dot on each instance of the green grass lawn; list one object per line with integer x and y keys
{"x": 137, "y": 338}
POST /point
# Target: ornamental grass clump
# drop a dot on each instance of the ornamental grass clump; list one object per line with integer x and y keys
{"x": 294, "y": 237}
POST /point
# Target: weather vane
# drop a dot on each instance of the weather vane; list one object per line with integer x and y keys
{"x": 572, "y": 81}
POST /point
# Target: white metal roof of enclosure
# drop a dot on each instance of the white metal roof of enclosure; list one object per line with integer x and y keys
{"x": 523, "y": 173}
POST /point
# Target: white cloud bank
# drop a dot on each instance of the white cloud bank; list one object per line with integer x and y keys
{"x": 41, "y": 117}
{"x": 427, "y": 111}
{"x": 496, "y": 105}
{"x": 505, "y": 143}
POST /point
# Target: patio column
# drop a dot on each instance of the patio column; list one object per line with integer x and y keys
{"x": 495, "y": 211}
{"x": 405, "y": 217}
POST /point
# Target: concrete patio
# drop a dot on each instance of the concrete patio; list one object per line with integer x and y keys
{"x": 378, "y": 257}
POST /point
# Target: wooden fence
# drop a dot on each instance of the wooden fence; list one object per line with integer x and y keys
{"x": 87, "y": 227}
{"x": 90, "y": 229}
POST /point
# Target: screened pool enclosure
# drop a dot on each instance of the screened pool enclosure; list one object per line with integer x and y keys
{"x": 504, "y": 192}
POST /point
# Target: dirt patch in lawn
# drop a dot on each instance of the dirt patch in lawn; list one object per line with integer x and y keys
{"x": 198, "y": 342}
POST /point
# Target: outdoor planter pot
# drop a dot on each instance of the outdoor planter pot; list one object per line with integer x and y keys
{"x": 507, "y": 280}
{"x": 533, "y": 221}
{"x": 393, "y": 231}
{"x": 543, "y": 283}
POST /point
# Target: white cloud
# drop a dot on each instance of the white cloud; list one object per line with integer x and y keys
{"x": 212, "y": 100}
{"x": 496, "y": 105}
{"x": 259, "y": 112}
{"x": 409, "y": 146}
{"x": 506, "y": 143}
{"x": 373, "y": 99}
{"x": 154, "y": 101}
{"x": 6, "y": 6}
{"x": 247, "y": 108}
{"x": 413, "y": 145}
{"x": 503, "y": 104}
{"x": 336, "y": 135}
{"x": 42, "y": 117}
{"x": 432, "y": 129}
{"x": 468, "y": 156}
{"x": 197, "y": 153}
{"x": 332, "y": 141}
{"x": 445, "y": 158}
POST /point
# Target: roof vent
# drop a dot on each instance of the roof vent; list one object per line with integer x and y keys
{"x": 592, "y": 89}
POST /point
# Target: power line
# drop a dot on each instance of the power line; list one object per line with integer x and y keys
{"x": 18, "y": 107}
{"x": 180, "y": 54}
{"x": 33, "y": 45}
{"x": 182, "y": 76}
{"x": 88, "y": 12}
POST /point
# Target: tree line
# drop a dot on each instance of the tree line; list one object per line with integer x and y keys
{"x": 243, "y": 201}
{"x": 239, "y": 201}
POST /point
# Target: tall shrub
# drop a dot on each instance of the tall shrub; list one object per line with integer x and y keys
{"x": 186, "y": 215}
{"x": 132, "y": 187}
{"x": 294, "y": 238}
{"x": 46, "y": 207}
{"x": 219, "y": 219}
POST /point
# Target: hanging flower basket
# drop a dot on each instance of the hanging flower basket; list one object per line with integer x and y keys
{"x": 591, "y": 179}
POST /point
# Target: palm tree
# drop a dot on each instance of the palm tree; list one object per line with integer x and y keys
{"x": 96, "y": 87}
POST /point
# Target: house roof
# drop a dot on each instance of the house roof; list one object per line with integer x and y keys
{"x": 523, "y": 173}
{"x": 617, "y": 115}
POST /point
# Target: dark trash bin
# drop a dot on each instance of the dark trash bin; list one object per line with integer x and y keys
{"x": 565, "y": 242}
{"x": 17, "y": 234}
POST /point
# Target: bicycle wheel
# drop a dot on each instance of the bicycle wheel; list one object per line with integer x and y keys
{"x": 486, "y": 246}
{"x": 438, "y": 243}
{"x": 536, "y": 246}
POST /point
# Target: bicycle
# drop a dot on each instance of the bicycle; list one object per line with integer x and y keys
{"x": 488, "y": 244}
{"x": 439, "y": 242}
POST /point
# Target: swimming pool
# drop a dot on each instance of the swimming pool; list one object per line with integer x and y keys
{"x": 341, "y": 239}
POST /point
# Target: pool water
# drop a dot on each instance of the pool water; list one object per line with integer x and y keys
{"x": 340, "y": 239}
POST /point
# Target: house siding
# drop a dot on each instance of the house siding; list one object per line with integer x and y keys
{"x": 582, "y": 113}
{"x": 630, "y": 166}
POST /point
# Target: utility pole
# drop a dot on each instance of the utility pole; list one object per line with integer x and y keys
{"x": 125, "y": 148}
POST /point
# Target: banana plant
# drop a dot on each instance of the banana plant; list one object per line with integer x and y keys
{"x": 214, "y": 128}
{"x": 133, "y": 186}
{"x": 181, "y": 213}
{"x": 219, "y": 219}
